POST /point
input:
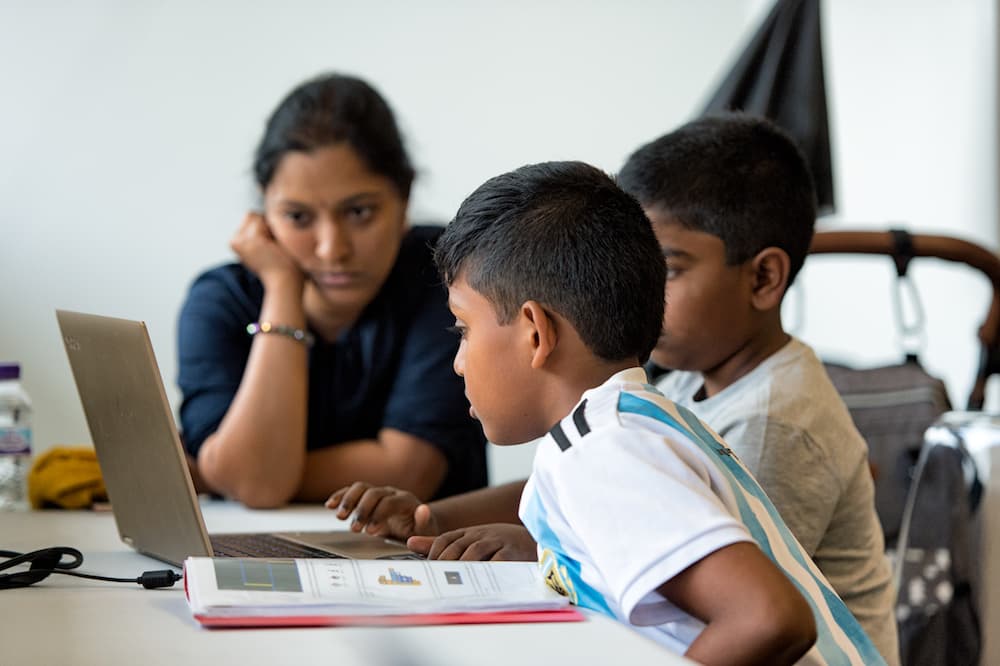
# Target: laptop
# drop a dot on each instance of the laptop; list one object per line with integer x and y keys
{"x": 143, "y": 462}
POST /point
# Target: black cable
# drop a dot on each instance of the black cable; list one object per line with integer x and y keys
{"x": 48, "y": 561}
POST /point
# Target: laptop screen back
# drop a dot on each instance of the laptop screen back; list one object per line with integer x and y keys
{"x": 134, "y": 435}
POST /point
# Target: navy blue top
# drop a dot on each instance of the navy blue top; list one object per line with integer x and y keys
{"x": 391, "y": 369}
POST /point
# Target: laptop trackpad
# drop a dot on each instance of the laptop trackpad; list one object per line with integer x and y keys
{"x": 353, "y": 545}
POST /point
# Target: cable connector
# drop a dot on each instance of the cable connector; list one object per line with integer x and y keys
{"x": 49, "y": 561}
{"x": 159, "y": 578}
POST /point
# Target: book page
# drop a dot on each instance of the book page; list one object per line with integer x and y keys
{"x": 221, "y": 586}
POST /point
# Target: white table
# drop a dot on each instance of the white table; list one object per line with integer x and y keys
{"x": 65, "y": 620}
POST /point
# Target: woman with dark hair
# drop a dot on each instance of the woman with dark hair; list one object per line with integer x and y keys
{"x": 323, "y": 358}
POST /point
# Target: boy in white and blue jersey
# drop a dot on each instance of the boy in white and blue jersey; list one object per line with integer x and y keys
{"x": 556, "y": 281}
{"x": 687, "y": 496}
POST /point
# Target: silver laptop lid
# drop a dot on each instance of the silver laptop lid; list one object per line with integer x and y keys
{"x": 134, "y": 435}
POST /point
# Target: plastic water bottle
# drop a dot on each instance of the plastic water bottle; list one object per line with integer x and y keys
{"x": 15, "y": 438}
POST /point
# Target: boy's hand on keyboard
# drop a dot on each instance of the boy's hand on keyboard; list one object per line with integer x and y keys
{"x": 383, "y": 511}
{"x": 496, "y": 541}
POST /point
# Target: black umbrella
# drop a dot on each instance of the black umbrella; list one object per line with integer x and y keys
{"x": 780, "y": 76}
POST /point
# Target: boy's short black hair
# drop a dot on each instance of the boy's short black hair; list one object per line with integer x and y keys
{"x": 565, "y": 235}
{"x": 736, "y": 176}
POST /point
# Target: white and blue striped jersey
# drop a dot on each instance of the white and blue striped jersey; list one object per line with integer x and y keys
{"x": 630, "y": 489}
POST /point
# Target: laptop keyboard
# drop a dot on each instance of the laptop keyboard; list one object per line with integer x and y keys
{"x": 262, "y": 545}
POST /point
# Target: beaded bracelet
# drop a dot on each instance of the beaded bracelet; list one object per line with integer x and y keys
{"x": 305, "y": 337}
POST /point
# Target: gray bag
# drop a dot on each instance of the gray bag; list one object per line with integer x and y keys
{"x": 891, "y": 406}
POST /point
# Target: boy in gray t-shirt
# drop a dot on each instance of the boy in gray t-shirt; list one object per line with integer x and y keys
{"x": 733, "y": 207}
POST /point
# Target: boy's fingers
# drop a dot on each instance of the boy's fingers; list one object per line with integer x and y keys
{"x": 462, "y": 548}
{"x": 507, "y": 554}
{"x": 350, "y": 499}
{"x": 423, "y": 520}
{"x": 395, "y": 517}
{"x": 442, "y": 548}
{"x": 420, "y": 544}
{"x": 480, "y": 550}
{"x": 334, "y": 500}
{"x": 366, "y": 509}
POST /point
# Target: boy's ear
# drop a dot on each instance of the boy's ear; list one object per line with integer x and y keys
{"x": 542, "y": 329}
{"x": 770, "y": 278}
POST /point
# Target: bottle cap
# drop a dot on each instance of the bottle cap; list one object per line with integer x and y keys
{"x": 10, "y": 370}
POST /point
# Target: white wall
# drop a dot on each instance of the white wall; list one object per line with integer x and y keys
{"x": 126, "y": 133}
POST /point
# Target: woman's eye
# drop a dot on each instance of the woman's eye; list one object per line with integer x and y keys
{"x": 299, "y": 218}
{"x": 457, "y": 330}
{"x": 360, "y": 214}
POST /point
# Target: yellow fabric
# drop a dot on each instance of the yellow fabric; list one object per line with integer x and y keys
{"x": 66, "y": 477}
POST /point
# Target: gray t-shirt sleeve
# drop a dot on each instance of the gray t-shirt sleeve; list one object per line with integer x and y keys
{"x": 796, "y": 474}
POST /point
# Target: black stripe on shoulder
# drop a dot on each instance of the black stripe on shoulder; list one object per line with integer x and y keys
{"x": 580, "y": 419}
{"x": 561, "y": 439}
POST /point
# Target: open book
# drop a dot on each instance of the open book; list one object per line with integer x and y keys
{"x": 236, "y": 592}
